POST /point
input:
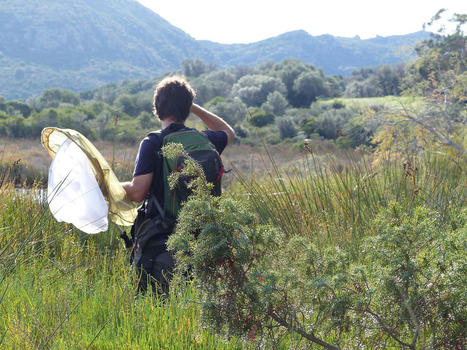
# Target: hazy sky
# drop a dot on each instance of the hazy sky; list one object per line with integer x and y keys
{"x": 241, "y": 21}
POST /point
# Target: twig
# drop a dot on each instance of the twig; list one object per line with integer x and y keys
{"x": 446, "y": 139}
{"x": 310, "y": 336}
{"x": 100, "y": 330}
{"x": 386, "y": 328}
{"x": 59, "y": 326}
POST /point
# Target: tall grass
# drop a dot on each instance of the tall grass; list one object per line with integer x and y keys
{"x": 62, "y": 289}
{"x": 335, "y": 198}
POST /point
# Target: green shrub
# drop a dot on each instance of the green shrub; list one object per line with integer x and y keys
{"x": 241, "y": 132}
{"x": 411, "y": 280}
{"x": 400, "y": 285}
{"x": 260, "y": 118}
{"x": 286, "y": 128}
{"x": 338, "y": 104}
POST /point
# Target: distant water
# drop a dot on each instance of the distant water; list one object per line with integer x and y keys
{"x": 38, "y": 194}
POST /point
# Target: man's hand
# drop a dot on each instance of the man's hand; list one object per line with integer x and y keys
{"x": 213, "y": 122}
{"x": 138, "y": 188}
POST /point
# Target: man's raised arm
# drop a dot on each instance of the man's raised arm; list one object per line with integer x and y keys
{"x": 213, "y": 122}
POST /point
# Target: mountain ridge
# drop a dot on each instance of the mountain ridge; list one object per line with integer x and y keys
{"x": 83, "y": 44}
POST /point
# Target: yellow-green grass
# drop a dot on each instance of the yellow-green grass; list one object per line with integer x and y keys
{"x": 388, "y": 101}
{"x": 27, "y": 159}
{"x": 334, "y": 198}
{"x": 62, "y": 289}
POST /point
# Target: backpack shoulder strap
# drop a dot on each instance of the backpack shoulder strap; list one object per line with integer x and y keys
{"x": 151, "y": 199}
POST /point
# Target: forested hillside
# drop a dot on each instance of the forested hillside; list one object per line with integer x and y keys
{"x": 284, "y": 102}
{"x": 85, "y": 44}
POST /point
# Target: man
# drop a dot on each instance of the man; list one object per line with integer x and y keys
{"x": 173, "y": 102}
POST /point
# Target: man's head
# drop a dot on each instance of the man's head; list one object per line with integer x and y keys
{"x": 173, "y": 98}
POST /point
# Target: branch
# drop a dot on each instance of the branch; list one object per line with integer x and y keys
{"x": 444, "y": 139}
{"x": 405, "y": 296}
{"x": 309, "y": 336}
{"x": 386, "y": 328}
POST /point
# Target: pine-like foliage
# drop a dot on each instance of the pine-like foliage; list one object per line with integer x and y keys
{"x": 404, "y": 289}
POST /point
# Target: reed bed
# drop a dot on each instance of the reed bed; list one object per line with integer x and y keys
{"x": 63, "y": 289}
{"x": 334, "y": 198}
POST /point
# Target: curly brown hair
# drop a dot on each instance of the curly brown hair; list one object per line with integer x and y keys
{"x": 173, "y": 98}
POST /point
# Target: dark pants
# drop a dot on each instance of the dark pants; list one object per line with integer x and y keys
{"x": 155, "y": 267}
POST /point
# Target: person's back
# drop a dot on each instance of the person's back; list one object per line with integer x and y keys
{"x": 173, "y": 101}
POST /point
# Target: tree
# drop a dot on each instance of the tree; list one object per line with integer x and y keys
{"x": 233, "y": 111}
{"x": 286, "y": 128}
{"x": 242, "y": 70}
{"x": 442, "y": 61}
{"x": 76, "y": 120}
{"x": 289, "y": 70}
{"x": 194, "y": 67}
{"x": 47, "y": 117}
{"x": 18, "y": 108}
{"x": 148, "y": 121}
{"x": 329, "y": 124}
{"x": 389, "y": 79}
{"x": 253, "y": 90}
{"x": 17, "y": 127}
{"x": 54, "y": 98}
{"x": 334, "y": 85}
{"x": 126, "y": 104}
{"x": 444, "y": 122}
{"x": 380, "y": 81}
{"x": 439, "y": 74}
{"x": 143, "y": 102}
{"x": 308, "y": 87}
{"x": 275, "y": 103}
{"x": 213, "y": 84}
{"x": 260, "y": 118}
{"x": 107, "y": 93}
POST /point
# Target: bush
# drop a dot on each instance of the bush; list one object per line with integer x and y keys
{"x": 338, "y": 105}
{"x": 253, "y": 90}
{"x": 232, "y": 111}
{"x": 275, "y": 104}
{"x": 410, "y": 279}
{"x": 148, "y": 121}
{"x": 16, "y": 127}
{"x": 401, "y": 286}
{"x": 286, "y": 128}
{"x": 241, "y": 132}
{"x": 329, "y": 124}
{"x": 260, "y": 118}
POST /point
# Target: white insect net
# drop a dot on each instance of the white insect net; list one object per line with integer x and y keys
{"x": 73, "y": 193}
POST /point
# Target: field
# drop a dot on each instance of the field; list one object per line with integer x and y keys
{"x": 63, "y": 289}
{"x": 342, "y": 223}
{"x": 342, "y": 248}
{"x": 56, "y": 282}
{"x": 28, "y": 160}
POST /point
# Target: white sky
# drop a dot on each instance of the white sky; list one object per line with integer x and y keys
{"x": 242, "y": 21}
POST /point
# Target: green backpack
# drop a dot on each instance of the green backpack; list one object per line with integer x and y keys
{"x": 200, "y": 148}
